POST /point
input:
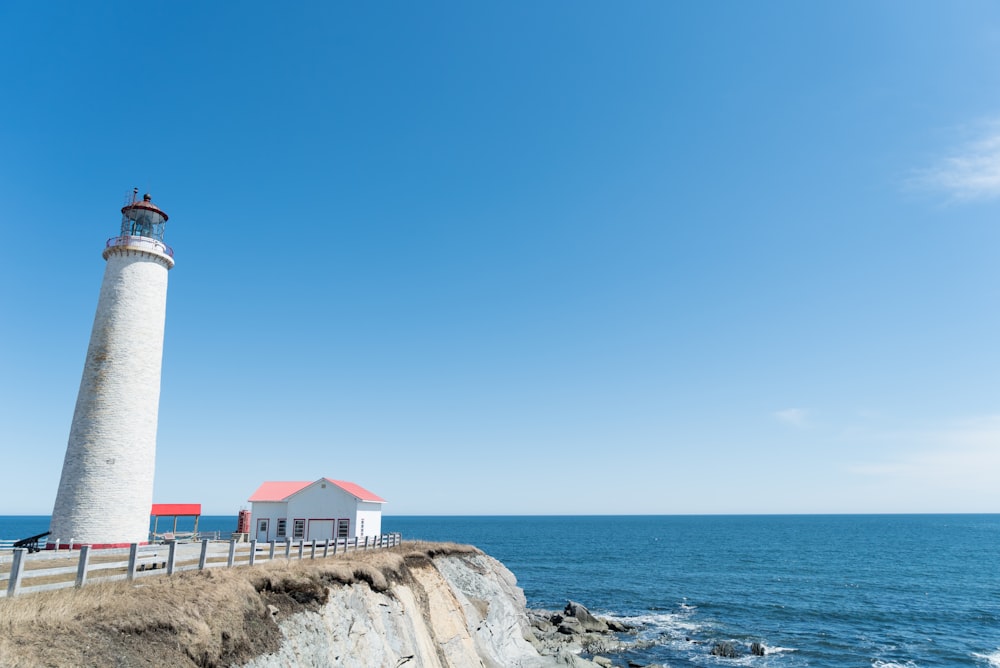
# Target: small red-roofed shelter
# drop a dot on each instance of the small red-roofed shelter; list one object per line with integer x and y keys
{"x": 175, "y": 510}
{"x": 319, "y": 510}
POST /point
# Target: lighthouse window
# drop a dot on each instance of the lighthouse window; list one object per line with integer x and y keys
{"x": 142, "y": 229}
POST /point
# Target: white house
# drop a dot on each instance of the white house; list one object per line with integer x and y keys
{"x": 314, "y": 511}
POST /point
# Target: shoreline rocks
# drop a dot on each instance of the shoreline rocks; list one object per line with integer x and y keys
{"x": 576, "y": 631}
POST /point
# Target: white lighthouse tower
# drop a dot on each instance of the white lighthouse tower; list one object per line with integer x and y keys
{"x": 106, "y": 490}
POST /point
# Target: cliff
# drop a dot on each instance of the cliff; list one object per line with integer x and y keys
{"x": 450, "y": 611}
{"x": 427, "y": 605}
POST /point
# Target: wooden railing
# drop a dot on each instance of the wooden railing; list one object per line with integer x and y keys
{"x": 147, "y": 560}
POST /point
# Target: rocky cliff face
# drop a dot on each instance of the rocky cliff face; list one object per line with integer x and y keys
{"x": 433, "y": 605}
{"x": 454, "y": 611}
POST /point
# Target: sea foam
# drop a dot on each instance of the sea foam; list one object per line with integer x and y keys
{"x": 990, "y": 659}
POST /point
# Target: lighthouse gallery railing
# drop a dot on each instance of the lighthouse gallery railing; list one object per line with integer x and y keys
{"x": 131, "y": 241}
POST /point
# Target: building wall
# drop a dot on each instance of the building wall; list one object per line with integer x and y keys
{"x": 272, "y": 512}
{"x": 106, "y": 489}
{"x": 371, "y": 513}
{"x": 322, "y": 501}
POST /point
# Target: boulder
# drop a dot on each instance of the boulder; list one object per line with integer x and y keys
{"x": 568, "y": 658}
{"x": 582, "y": 615}
{"x": 617, "y": 627}
{"x": 571, "y": 626}
{"x": 725, "y": 649}
{"x": 541, "y": 624}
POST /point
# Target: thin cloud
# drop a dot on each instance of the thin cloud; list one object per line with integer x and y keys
{"x": 964, "y": 455}
{"x": 794, "y": 416}
{"x": 970, "y": 173}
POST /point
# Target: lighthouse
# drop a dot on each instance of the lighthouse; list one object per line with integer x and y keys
{"x": 106, "y": 489}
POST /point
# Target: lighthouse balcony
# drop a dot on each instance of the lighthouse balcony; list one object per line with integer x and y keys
{"x": 141, "y": 243}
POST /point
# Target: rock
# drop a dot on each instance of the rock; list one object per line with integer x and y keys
{"x": 617, "y": 627}
{"x": 757, "y": 649}
{"x": 568, "y": 658}
{"x": 273, "y": 609}
{"x": 541, "y": 624}
{"x": 603, "y": 661}
{"x": 581, "y": 614}
{"x": 725, "y": 649}
{"x": 571, "y": 626}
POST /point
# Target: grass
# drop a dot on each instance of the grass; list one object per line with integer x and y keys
{"x": 209, "y": 618}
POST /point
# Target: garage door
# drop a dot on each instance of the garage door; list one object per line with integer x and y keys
{"x": 320, "y": 530}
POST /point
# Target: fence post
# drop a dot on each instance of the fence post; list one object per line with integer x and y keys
{"x": 336, "y": 542}
{"x": 204, "y": 554}
{"x": 270, "y": 550}
{"x": 16, "y": 570}
{"x": 312, "y": 549}
{"x": 133, "y": 553}
{"x": 57, "y": 546}
{"x": 326, "y": 548}
{"x": 171, "y": 556}
{"x": 288, "y": 548}
{"x": 232, "y": 553}
{"x": 81, "y": 568}
{"x": 253, "y": 551}
{"x": 300, "y": 549}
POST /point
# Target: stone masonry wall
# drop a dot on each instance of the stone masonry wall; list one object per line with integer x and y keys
{"x": 106, "y": 488}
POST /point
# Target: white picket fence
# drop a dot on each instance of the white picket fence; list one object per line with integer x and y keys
{"x": 149, "y": 560}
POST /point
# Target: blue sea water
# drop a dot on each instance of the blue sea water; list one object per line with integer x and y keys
{"x": 880, "y": 591}
{"x": 834, "y": 591}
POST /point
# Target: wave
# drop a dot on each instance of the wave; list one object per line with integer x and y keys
{"x": 684, "y": 636}
{"x": 778, "y": 650}
{"x": 990, "y": 659}
{"x": 661, "y": 623}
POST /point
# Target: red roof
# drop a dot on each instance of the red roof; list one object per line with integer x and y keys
{"x": 281, "y": 491}
{"x": 180, "y": 509}
{"x": 356, "y": 490}
{"x": 147, "y": 204}
{"x": 278, "y": 491}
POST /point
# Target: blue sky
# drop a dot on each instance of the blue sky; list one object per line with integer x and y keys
{"x": 517, "y": 258}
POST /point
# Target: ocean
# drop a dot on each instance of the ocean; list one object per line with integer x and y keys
{"x": 832, "y": 591}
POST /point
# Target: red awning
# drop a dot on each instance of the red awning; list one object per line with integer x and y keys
{"x": 176, "y": 509}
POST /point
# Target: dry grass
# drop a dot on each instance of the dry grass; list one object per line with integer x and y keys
{"x": 211, "y": 618}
